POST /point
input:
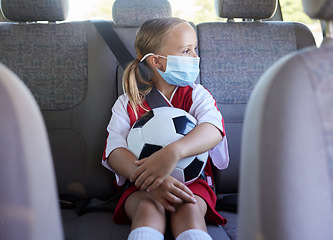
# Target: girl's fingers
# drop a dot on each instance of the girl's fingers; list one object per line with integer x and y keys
{"x": 146, "y": 182}
{"x": 141, "y": 180}
{"x": 183, "y": 187}
{"x": 172, "y": 199}
{"x": 136, "y": 174}
{"x": 167, "y": 205}
{"x": 140, "y": 162}
{"x": 183, "y": 193}
{"x": 155, "y": 184}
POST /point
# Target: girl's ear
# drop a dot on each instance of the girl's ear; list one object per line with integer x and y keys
{"x": 154, "y": 61}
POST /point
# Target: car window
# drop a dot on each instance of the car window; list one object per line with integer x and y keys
{"x": 196, "y": 11}
{"x": 292, "y": 11}
{"x": 80, "y": 10}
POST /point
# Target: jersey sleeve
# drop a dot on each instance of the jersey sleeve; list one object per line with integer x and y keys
{"x": 204, "y": 109}
{"x": 118, "y": 129}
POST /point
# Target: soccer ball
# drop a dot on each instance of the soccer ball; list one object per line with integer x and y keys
{"x": 160, "y": 127}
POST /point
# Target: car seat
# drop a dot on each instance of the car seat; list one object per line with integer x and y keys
{"x": 28, "y": 197}
{"x": 233, "y": 57}
{"x": 234, "y": 54}
{"x": 286, "y": 184}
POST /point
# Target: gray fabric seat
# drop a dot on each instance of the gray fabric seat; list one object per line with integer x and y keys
{"x": 72, "y": 75}
{"x": 73, "y": 91}
{"x": 286, "y": 187}
{"x": 26, "y": 211}
{"x": 233, "y": 57}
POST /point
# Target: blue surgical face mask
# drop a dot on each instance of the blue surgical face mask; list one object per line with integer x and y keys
{"x": 180, "y": 71}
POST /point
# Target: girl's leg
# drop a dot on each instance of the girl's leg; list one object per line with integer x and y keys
{"x": 147, "y": 216}
{"x": 188, "y": 222}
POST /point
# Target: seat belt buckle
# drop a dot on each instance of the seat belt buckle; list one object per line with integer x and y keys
{"x": 209, "y": 181}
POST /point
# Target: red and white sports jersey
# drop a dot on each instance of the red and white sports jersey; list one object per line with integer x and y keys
{"x": 194, "y": 99}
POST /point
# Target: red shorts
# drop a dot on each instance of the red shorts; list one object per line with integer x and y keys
{"x": 199, "y": 187}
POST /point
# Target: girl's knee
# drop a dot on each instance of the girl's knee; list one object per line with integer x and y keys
{"x": 149, "y": 213}
{"x": 139, "y": 203}
{"x": 185, "y": 209}
{"x": 149, "y": 207}
{"x": 189, "y": 216}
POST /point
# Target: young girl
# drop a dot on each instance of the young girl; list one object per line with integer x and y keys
{"x": 168, "y": 47}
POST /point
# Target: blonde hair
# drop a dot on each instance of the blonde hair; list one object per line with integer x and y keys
{"x": 149, "y": 39}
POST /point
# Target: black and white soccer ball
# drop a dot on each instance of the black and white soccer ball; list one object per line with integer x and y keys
{"x": 160, "y": 127}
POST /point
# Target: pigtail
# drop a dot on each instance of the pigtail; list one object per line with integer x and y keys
{"x": 149, "y": 39}
{"x": 135, "y": 86}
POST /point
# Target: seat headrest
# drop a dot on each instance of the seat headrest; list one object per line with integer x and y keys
{"x": 319, "y": 9}
{"x": 133, "y": 13}
{"x": 35, "y": 10}
{"x": 251, "y": 9}
{"x": 2, "y": 17}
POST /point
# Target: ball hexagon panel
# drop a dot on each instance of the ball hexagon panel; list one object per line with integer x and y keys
{"x": 158, "y": 131}
{"x": 178, "y": 173}
{"x": 135, "y": 141}
{"x": 193, "y": 170}
{"x": 183, "y": 125}
{"x": 149, "y": 149}
{"x": 174, "y": 138}
{"x": 143, "y": 119}
{"x": 168, "y": 112}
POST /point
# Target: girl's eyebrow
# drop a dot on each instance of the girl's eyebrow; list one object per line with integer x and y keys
{"x": 189, "y": 45}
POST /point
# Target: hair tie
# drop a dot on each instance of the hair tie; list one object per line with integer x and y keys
{"x": 139, "y": 57}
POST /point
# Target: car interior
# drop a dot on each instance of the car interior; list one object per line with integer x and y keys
{"x": 272, "y": 84}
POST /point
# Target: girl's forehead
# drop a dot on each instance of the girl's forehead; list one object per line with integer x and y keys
{"x": 182, "y": 34}
{"x": 182, "y": 29}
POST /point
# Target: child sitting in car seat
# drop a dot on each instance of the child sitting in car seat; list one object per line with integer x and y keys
{"x": 163, "y": 44}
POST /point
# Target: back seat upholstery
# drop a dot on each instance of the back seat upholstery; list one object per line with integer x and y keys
{"x": 76, "y": 80}
{"x": 233, "y": 57}
{"x": 74, "y": 92}
{"x": 291, "y": 154}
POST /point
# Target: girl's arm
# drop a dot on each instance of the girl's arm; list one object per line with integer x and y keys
{"x": 122, "y": 161}
{"x": 152, "y": 171}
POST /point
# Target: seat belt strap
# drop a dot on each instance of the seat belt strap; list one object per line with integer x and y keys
{"x": 117, "y": 47}
{"x": 155, "y": 99}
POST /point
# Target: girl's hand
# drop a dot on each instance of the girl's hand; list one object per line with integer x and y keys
{"x": 170, "y": 192}
{"x": 152, "y": 171}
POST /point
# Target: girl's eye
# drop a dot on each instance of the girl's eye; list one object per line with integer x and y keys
{"x": 186, "y": 51}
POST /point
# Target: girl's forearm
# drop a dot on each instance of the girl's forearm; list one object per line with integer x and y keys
{"x": 122, "y": 161}
{"x": 201, "y": 139}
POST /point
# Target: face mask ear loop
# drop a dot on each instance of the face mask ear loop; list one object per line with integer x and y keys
{"x": 162, "y": 56}
{"x": 150, "y": 54}
{"x": 147, "y": 55}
